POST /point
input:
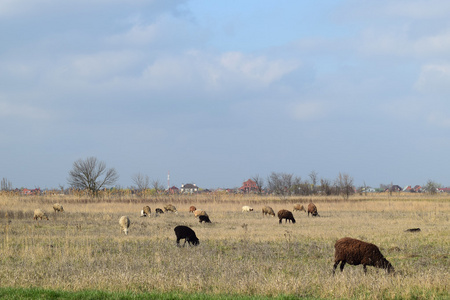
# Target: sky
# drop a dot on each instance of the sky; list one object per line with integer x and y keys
{"x": 217, "y": 92}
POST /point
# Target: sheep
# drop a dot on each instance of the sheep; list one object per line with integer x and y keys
{"x": 412, "y": 230}
{"x": 267, "y": 210}
{"x": 159, "y": 211}
{"x": 170, "y": 207}
{"x": 356, "y": 252}
{"x": 146, "y": 211}
{"x": 39, "y": 214}
{"x": 246, "y": 208}
{"x": 299, "y": 207}
{"x": 192, "y": 209}
{"x": 287, "y": 215}
{"x": 199, "y": 212}
{"x": 124, "y": 223}
{"x": 186, "y": 233}
{"x": 58, "y": 207}
{"x": 312, "y": 209}
{"x": 203, "y": 218}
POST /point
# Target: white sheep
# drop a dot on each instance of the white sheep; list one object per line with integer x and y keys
{"x": 246, "y": 208}
{"x": 58, "y": 207}
{"x": 124, "y": 224}
{"x": 39, "y": 214}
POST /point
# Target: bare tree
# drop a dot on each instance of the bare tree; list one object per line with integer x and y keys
{"x": 6, "y": 185}
{"x": 283, "y": 184}
{"x": 259, "y": 181}
{"x": 326, "y": 186}
{"x": 91, "y": 175}
{"x": 313, "y": 176}
{"x": 142, "y": 181}
{"x": 432, "y": 187}
{"x": 344, "y": 184}
{"x": 157, "y": 186}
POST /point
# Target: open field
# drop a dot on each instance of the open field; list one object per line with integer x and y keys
{"x": 239, "y": 253}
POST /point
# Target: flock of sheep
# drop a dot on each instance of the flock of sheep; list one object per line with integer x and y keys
{"x": 347, "y": 250}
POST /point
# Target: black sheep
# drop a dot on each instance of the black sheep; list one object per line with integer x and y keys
{"x": 186, "y": 233}
{"x": 356, "y": 252}
{"x": 287, "y": 215}
{"x": 203, "y": 218}
{"x": 159, "y": 211}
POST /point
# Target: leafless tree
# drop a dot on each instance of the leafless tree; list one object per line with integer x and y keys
{"x": 259, "y": 183}
{"x": 91, "y": 175}
{"x": 344, "y": 184}
{"x": 326, "y": 186}
{"x": 283, "y": 184}
{"x": 432, "y": 187}
{"x": 157, "y": 186}
{"x": 313, "y": 176}
{"x": 142, "y": 181}
{"x": 6, "y": 185}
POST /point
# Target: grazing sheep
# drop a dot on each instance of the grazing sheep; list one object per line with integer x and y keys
{"x": 246, "y": 208}
{"x": 39, "y": 214}
{"x": 170, "y": 207}
{"x": 199, "y": 212}
{"x": 267, "y": 210}
{"x": 58, "y": 207}
{"x": 159, "y": 211}
{"x": 124, "y": 222}
{"x": 186, "y": 233}
{"x": 312, "y": 209}
{"x": 299, "y": 207}
{"x": 412, "y": 230}
{"x": 287, "y": 215}
{"x": 146, "y": 211}
{"x": 356, "y": 252}
{"x": 205, "y": 219}
{"x": 192, "y": 209}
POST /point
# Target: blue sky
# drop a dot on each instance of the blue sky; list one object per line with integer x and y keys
{"x": 220, "y": 91}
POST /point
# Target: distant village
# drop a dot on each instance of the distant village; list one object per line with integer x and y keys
{"x": 248, "y": 187}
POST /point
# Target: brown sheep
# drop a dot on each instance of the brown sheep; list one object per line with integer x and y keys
{"x": 312, "y": 209}
{"x": 58, "y": 207}
{"x": 146, "y": 211}
{"x": 199, "y": 212}
{"x": 356, "y": 252}
{"x": 39, "y": 214}
{"x": 192, "y": 209}
{"x": 124, "y": 223}
{"x": 299, "y": 207}
{"x": 170, "y": 207}
{"x": 287, "y": 215}
{"x": 267, "y": 210}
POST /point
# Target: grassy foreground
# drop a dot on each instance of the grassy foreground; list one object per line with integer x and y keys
{"x": 82, "y": 253}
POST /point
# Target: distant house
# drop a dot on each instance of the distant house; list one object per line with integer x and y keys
{"x": 394, "y": 188}
{"x": 189, "y": 188}
{"x": 249, "y": 186}
{"x": 444, "y": 190}
{"x": 173, "y": 190}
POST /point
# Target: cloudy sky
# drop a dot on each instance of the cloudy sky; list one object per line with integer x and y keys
{"x": 219, "y": 91}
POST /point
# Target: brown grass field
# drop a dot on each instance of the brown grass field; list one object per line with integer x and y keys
{"x": 239, "y": 253}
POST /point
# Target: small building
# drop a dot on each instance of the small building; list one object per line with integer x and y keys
{"x": 189, "y": 188}
{"x": 173, "y": 190}
{"x": 249, "y": 186}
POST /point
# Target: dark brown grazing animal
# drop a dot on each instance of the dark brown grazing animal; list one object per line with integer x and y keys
{"x": 412, "y": 230}
{"x": 312, "y": 209}
{"x": 299, "y": 207}
{"x": 186, "y": 233}
{"x": 356, "y": 252}
{"x": 267, "y": 210}
{"x": 287, "y": 215}
{"x": 192, "y": 209}
{"x": 204, "y": 219}
{"x": 159, "y": 211}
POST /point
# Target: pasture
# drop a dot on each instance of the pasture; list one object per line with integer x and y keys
{"x": 239, "y": 253}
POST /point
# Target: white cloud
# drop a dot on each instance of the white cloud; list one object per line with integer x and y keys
{"x": 307, "y": 111}
{"x": 22, "y": 111}
{"x": 434, "y": 78}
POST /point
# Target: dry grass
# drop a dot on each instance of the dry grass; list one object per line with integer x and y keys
{"x": 243, "y": 253}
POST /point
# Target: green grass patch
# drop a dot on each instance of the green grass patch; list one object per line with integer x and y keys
{"x": 37, "y": 293}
